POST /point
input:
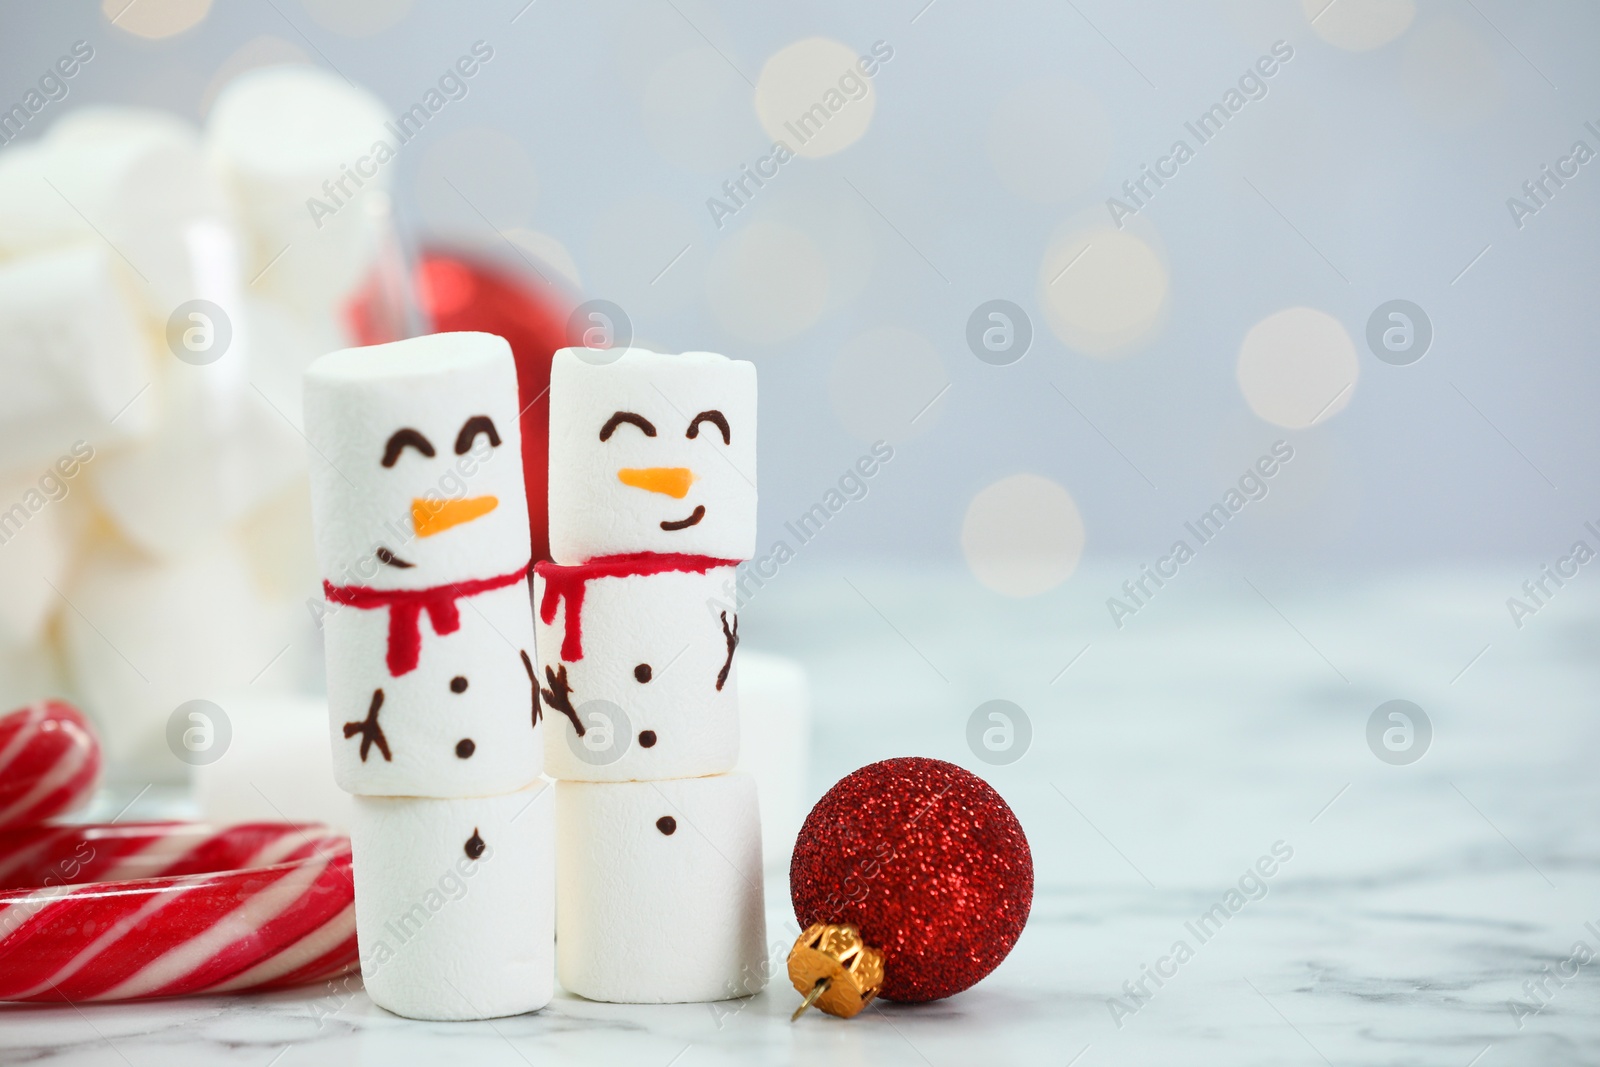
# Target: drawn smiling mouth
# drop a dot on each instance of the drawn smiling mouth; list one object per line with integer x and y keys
{"x": 684, "y": 524}
{"x": 389, "y": 559}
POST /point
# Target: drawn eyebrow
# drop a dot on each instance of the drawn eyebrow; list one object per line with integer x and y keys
{"x": 469, "y": 433}
{"x": 402, "y": 438}
{"x": 715, "y": 417}
{"x": 626, "y": 416}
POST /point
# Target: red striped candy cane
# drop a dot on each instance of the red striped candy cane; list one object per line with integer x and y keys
{"x": 125, "y": 912}
{"x": 49, "y": 760}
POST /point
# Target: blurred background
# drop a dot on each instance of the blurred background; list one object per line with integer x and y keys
{"x": 1305, "y": 288}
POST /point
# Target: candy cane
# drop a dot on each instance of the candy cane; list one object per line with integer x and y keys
{"x": 189, "y": 909}
{"x": 49, "y": 760}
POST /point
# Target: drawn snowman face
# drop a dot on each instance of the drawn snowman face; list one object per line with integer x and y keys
{"x": 452, "y": 501}
{"x": 420, "y": 447}
{"x": 652, "y": 453}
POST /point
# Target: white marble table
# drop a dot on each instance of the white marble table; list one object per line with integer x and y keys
{"x": 1165, "y": 761}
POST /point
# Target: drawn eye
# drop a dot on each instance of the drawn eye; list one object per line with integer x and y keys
{"x": 716, "y": 419}
{"x": 626, "y": 416}
{"x": 478, "y": 424}
{"x": 403, "y": 439}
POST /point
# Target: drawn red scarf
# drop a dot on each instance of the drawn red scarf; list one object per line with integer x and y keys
{"x": 569, "y": 583}
{"x": 407, "y": 605}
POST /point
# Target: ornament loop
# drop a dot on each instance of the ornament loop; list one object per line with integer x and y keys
{"x": 835, "y": 969}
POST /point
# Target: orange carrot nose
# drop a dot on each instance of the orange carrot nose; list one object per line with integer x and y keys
{"x": 673, "y": 481}
{"x": 436, "y": 516}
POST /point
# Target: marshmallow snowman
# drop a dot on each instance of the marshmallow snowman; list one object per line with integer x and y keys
{"x": 652, "y": 503}
{"x": 419, "y": 518}
{"x": 455, "y": 903}
{"x": 651, "y": 453}
{"x": 463, "y": 722}
{"x": 644, "y": 663}
{"x": 418, "y": 507}
{"x": 658, "y": 890}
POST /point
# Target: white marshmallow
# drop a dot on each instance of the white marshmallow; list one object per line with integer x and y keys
{"x": 453, "y": 527}
{"x": 130, "y": 177}
{"x": 775, "y": 744}
{"x": 441, "y": 743}
{"x": 283, "y": 343}
{"x": 37, "y": 218}
{"x": 445, "y": 935}
{"x": 219, "y": 451}
{"x": 143, "y": 636}
{"x": 597, "y": 507}
{"x": 283, "y": 138}
{"x": 76, "y": 358}
{"x": 683, "y": 721}
{"x": 35, "y": 546}
{"x": 101, "y": 122}
{"x": 356, "y": 403}
{"x": 43, "y": 518}
{"x": 276, "y": 767}
{"x": 644, "y": 916}
{"x": 277, "y": 540}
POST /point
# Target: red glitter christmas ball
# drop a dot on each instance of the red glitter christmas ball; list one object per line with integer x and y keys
{"x": 928, "y": 862}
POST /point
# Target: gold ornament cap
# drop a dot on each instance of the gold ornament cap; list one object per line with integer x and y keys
{"x": 835, "y": 969}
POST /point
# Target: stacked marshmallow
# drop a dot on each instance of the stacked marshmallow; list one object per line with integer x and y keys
{"x": 419, "y": 515}
{"x": 153, "y": 545}
{"x": 652, "y": 503}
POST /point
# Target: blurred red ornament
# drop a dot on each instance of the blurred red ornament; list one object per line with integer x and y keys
{"x": 927, "y": 862}
{"x": 456, "y": 292}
